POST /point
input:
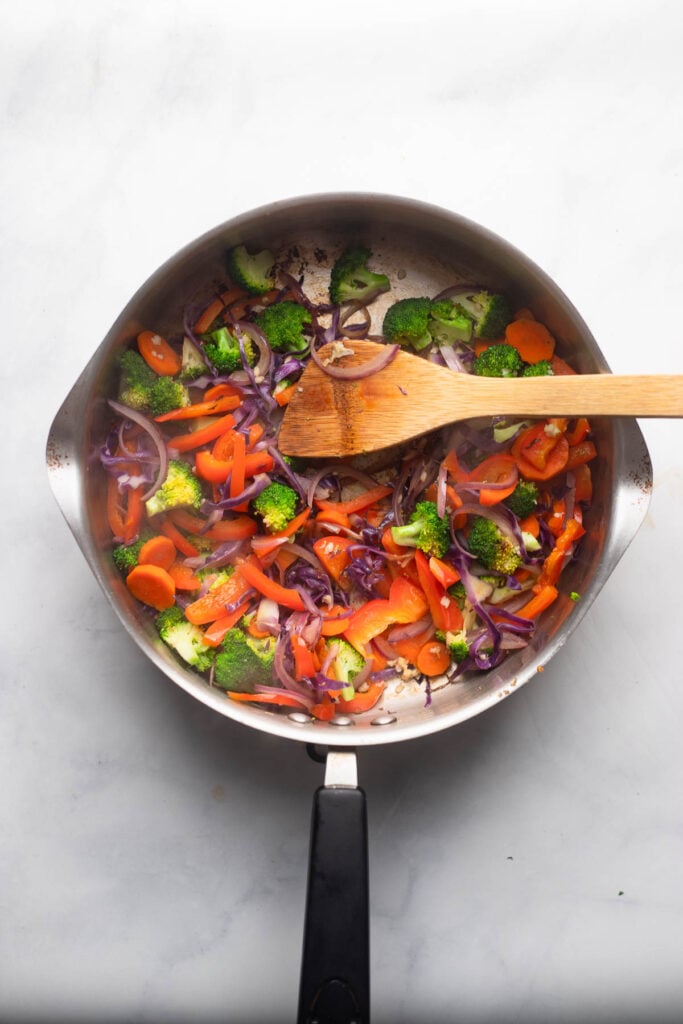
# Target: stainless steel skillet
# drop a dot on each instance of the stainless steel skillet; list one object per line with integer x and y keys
{"x": 423, "y": 249}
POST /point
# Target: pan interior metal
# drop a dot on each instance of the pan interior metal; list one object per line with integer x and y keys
{"x": 423, "y": 249}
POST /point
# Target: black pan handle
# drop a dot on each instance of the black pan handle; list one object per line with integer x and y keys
{"x": 335, "y": 966}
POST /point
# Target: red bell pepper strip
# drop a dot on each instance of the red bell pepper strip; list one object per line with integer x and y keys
{"x": 444, "y": 611}
{"x": 446, "y": 574}
{"x": 285, "y": 596}
{"x": 358, "y": 503}
{"x": 196, "y": 438}
{"x": 333, "y": 553}
{"x": 362, "y": 701}
{"x": 284, "y": 700}
{"x": 495, "y": 469}
{"x": 304, "y": 659}
{"x": 552, "y": 567}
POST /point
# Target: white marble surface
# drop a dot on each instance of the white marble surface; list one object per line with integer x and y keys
{"x": 525, "y": 866}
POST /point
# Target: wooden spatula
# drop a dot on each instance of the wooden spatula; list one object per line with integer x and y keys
{"x": 328, "y": 417}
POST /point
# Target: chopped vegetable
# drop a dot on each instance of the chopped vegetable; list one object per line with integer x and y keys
{"x": 309, "y": 580}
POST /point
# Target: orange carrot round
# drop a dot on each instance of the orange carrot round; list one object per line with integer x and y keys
{"x": 158, "y": 551}
{"x": 158, "y": 354}
{"x": 433, "y": 658}
{"x": 532, "y": 340}
{"x": 152, "y": 585}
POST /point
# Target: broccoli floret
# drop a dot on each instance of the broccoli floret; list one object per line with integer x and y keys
{"x": 186, "y": 639}
{"x": 223, "y": 350}
{"x": 493, "y": 550}
{"x": 407, "y": 323}
{"x": 523, "y": 499}
{"x": 276, "y": 505}
{"x": 137, "y": 380}
{"x": 540, "y": 369}
{"x": 253, "y": 273}
{"x": 457, "y": 645}
{"x": 126, "y": 555}
{"x": 238, "y": 666}
{"x": 347, "y": 662}
{"x": 193, "y": 365}
{"x": 491, "y": 313}
{"x": 180, "y": 489}
{"x": 449, "y": 323}
{"x": 283, "y": 323}
{"x": 167, "y": 394}
{"x": 498, "y": 361}
{"x": 458, "y": 593}
{"x": 426, "y": 530}
{"x": 351, "y": 281}
{"x": 264, "y": 650}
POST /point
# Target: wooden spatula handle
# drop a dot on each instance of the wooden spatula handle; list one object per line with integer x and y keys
{"x": 581, "y": 395}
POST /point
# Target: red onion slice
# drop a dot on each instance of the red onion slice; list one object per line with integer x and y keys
{"x": 150, "y": 428}
{"x": 374, "y": 365}
{"x": 357, "y": 330}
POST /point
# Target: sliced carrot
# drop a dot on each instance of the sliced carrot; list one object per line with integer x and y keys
{"x": 197, "y": 438}
{"x": 532, "y": 340}
{"x": 152, "y": 585}
{"x": 560, "y": 368}
{"x": 223, "y": 390}
{"x": 158, "y": 551}
{"x": 433, "y": 658}
{"x": 411, "y": 646}
{"x": 216, "y": 307}
{"x": 524, "y": 314}
{"x": 538, "y": 603}
{"x": 238, "y": 528}
{"x": 184, "y": 546}
{"x": 358, "y": 503}
{"x": 158, "y": 354}
{"x": 240, "y": 309}
{"x": 226, "y": 403}
{"x": 183, "y": 576}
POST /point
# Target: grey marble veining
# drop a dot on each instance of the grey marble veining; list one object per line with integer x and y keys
{"x": 525, "y": 866}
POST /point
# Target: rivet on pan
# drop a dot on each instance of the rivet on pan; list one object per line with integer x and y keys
{"x": 300, "y": 717}
{"x": 383, "y": 720}
{"x": 341, "y": 720}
